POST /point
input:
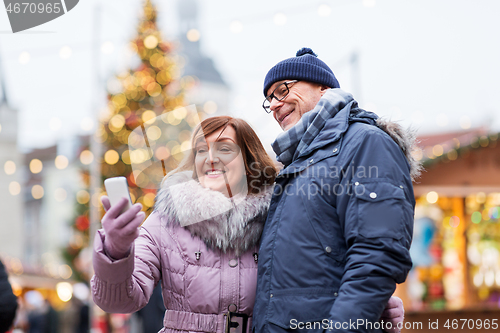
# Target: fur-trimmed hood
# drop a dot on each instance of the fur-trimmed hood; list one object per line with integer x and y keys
{"x": 224, "y": 223}
{"x": 406, "y": 140}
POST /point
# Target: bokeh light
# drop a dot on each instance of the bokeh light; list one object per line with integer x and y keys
{"x": 116, "y": 123}
{"x": 86, "y": 157}
{"x": 61, "y": 162}
{"x": 60, "y": 194}
{"x": 432, "y": 197}
{"x": 36, "y": 166}
{"x": 193, "y": 35}
{"x": 82, "y": 197}
{"x": 210, "y": 107}
{"x": 437, "y": 150}
{"x": 14, "y": 188}
{"x": 150, "y": 42}
{"x": 64, "y": 291}
{"x": 476, "y": 217}
{"x": 9, "y": 167}
{"x": 37, "y": 192}
{"x": 111, "y": 157}
{"x": 65, "y": 271}
{"x": 149, "y": 117}
{"x": 153, "y": 133}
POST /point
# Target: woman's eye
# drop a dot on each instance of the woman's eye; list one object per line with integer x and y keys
{"x": 201, "y": 150}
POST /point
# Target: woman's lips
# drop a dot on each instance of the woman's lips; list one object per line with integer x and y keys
{"x": 214, "y": 173}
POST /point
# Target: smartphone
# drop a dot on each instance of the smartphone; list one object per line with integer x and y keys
{"x": 117, "y": 188}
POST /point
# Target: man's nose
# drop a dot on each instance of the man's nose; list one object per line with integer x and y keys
{"x": 275, "y": 104}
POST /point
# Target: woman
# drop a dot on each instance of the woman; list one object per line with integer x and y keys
{"x": 201, "y": 240}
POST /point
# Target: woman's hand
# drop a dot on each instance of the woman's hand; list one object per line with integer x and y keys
{"x": 121, "y": 229}
{"x": 394, "y": 313}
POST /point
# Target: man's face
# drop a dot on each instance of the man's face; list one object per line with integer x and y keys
{"x": 302, "y": 98}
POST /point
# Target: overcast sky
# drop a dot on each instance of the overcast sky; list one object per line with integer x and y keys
{"x": 430, "y": 64}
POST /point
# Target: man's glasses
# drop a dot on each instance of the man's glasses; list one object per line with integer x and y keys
{"x": 279, "y": 94}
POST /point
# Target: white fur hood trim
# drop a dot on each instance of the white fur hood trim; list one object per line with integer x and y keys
{"x": 221, "y": 222}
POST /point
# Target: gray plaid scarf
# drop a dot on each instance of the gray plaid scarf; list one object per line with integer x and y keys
{"x": 290, "y": 144}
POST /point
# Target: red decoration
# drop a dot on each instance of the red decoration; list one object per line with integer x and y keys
{"x": 82, "y": 223}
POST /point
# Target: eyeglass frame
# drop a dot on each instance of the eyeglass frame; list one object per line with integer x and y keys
{"x": 271, "y": 95}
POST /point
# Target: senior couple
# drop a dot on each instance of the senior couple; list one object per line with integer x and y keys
{"x": 239, "y": 247}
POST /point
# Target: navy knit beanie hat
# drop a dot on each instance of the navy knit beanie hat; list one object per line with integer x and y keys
{"x": 305, "y": 66}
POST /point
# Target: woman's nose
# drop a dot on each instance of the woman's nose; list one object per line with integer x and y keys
{"x": 212, "y": 157}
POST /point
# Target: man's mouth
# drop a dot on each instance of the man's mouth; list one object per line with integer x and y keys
{"x": 284, "y": 116}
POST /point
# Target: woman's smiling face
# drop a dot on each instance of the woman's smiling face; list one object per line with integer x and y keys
{"x": 219, "y": 164}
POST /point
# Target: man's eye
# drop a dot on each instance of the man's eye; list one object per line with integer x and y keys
{"x": 281, "y": 91}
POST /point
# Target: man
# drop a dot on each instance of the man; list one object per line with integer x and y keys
{"x": 340, "y": 224}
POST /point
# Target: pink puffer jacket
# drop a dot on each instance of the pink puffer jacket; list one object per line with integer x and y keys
{"x": 201, "y": 245}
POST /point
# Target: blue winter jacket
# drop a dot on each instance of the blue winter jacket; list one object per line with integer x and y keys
{"x": 337, "y": 237}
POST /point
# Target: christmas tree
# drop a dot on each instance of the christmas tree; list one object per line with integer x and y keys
{"x": 147, "y": 129}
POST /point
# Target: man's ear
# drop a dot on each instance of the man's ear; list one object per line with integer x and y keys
{"x": 323, "y": 89}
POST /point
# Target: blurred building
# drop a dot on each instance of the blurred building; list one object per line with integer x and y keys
{"x": 209, "y": 90}
{"x": 11, "y": 226}
{"x": 456, "y": 246}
